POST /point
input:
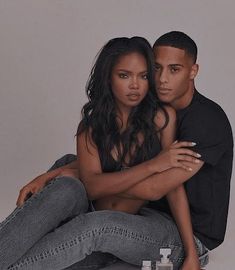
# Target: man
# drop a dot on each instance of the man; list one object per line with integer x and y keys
{"x": 202, "y": 121}
{"x": 136, "y": 237}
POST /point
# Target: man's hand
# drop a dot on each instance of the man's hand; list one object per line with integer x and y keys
{"x": 175, "y": 156}
{"x": 191, "y": 263}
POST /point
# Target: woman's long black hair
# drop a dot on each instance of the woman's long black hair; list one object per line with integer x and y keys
{"x": 99, "y": 114}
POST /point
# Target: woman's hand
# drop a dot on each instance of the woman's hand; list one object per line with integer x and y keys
{"x": 191, "y": 263}
{"x": 175, "y": 156}
{"x": 70, "y": 172}
{"x": 39, "y": 182}
{"x": 32, "y": 187}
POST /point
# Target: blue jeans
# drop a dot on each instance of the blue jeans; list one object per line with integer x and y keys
{"x": 54, "y": 229}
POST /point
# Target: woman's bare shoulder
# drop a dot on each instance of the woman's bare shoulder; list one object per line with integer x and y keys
{"x": 166, "y": 113}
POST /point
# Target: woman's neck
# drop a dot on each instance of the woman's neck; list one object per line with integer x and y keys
{"x": 122, "y": 119}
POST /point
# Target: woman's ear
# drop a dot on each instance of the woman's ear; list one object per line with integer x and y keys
{"x": 194, "y": 71}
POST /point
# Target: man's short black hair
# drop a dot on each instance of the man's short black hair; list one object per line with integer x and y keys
{"x": 178, "y": 40}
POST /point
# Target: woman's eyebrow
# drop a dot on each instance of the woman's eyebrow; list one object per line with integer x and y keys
{"x": 129, "y": 71}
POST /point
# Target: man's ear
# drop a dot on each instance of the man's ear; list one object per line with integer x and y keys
{"x": 194, "y": 71}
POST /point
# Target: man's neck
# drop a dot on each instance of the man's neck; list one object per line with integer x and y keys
{"x": 184, "y": 101}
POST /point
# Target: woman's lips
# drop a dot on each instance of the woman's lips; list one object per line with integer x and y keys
{"x": 133, "y": 96}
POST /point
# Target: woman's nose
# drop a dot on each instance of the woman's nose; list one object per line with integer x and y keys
{"x": 134, "y": 83}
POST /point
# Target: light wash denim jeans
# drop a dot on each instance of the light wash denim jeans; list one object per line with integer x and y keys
{"x": 54, "y": 229}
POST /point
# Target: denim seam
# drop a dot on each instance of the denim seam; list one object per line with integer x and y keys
{"x": 75, "y": 241}
{"x": 91, "y": 266}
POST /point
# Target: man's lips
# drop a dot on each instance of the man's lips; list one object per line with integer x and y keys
{"x": 163, "y": 90}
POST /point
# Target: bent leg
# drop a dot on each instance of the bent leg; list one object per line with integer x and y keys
{"x": 96, "y": 260}
{"x": 62, "y": 199}
{"x": 64, "y": 160}
{"x": 132, "y": 238}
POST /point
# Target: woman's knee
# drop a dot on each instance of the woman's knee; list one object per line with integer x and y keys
{"x": 70, "y": 186}
{"x": 68, "y": 191}
{"x": 64, "y": 160}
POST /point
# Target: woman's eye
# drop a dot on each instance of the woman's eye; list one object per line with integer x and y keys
{"x": 122, "y": 75}
{"x": 145, "y": 77}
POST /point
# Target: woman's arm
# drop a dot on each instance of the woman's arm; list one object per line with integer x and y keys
{"x": 99, "y": 184}
{"x": 40, "y": 181}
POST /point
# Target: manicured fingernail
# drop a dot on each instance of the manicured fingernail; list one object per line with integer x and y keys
{"x": 198, "y": 155}
{"x": 193, "y": 143}
{"x": 190, "y": 169}
{"x": 197, "y": 161}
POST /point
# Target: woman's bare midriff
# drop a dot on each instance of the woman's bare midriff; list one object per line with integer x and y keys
{"x": 118, "y": 203}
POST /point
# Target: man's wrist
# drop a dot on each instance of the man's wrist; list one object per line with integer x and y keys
{"x": 192, "y": 252}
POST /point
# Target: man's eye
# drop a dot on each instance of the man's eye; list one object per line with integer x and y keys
{"x": 157, "y": 67}
{"x": 122, "y": 75}
{"x": 174, "y": 70}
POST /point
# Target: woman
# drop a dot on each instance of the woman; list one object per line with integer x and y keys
{"x": 119, "y": 143}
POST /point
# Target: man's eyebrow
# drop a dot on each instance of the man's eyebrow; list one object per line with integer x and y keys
{"x": 175, "y": 65}
{"x": 171, "y": 65}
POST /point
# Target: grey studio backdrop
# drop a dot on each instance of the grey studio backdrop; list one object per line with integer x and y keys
{"x": 46, "y": 52}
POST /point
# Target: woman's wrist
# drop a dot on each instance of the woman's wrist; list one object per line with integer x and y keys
{"x": 152, "y": 167}
{"x": 52, "y": 174}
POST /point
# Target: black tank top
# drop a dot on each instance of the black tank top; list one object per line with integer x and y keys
{"x": 109, "y": 164}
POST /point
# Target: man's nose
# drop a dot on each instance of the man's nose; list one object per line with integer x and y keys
{"x": 163, "y": 78}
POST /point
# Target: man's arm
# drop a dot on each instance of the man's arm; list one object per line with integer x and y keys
{"x": 178, "y": 202}
{"x": 179, "y": 206}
